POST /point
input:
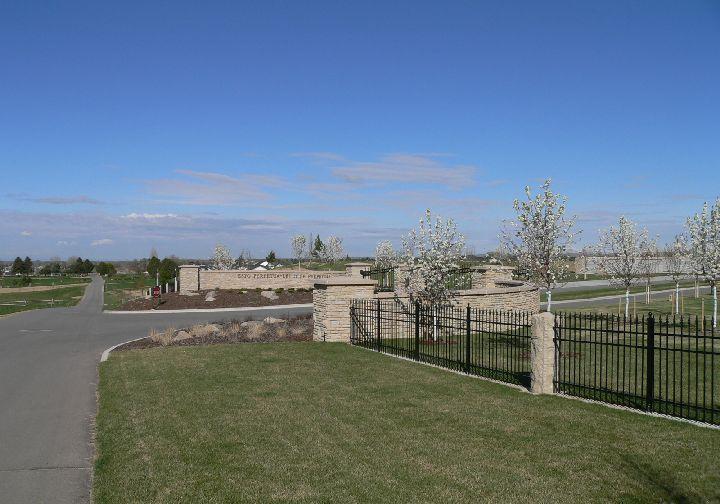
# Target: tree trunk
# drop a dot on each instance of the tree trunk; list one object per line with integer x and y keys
{"x": 549, "y": 299}
{"x": 714, "y": 289}
{"x": 677, "y": 297}
{"x": 627, "y": 301}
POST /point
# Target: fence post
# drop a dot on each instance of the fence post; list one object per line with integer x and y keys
{"x": 417, "y": 331}
{"x": 650, "y": 392}
{"x": 467, "y": 339}
{"x": 377, "y": 336}
{"x": 542, "y": 353}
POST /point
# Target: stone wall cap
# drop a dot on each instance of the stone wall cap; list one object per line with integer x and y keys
{"x": 358, "y": 264}
{"x": 496, "y": 267}
{"x": 190, "y": 266}
{"x": 345, "y": 281}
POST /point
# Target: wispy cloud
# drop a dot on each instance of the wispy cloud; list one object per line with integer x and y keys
{"x": 407, "y": 168}
{"x": 80, "y": 199}
{"x": 211, "y": 188}
{"x": 25, "y": 233}
{"x": 101, "y": 242}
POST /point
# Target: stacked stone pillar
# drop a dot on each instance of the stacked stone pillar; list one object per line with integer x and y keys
{"x": 331, "y": 306}
{"x": 487, "y": 276}
{"x": 542, "y": 354}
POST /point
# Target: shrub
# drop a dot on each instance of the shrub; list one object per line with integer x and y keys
{"x": 279, "y": 290}
{"x": 22, "y": 281}
{"x": 163, "y": 337}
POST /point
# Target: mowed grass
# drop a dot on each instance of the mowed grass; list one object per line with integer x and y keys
{"x": 45, "y": 280}
{"x": 313, "y": 422}
{"x": 23, "y": 301}
{"x": 689, "y": 306}
{"x": 124, "y": 287}
{"x": 613, "y": 291}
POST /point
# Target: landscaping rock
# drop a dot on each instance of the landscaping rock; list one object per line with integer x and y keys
{"x": 210, "y": 297}
{"x": 269, "y": 295}
{"x": 188, "y": 294}
{"x": 181, "y": 336}
{"x": 251, "y": 323}
{"x": 273, "y": 320}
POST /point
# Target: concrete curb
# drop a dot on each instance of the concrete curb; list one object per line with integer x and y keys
{"x": 106, "y": 353}
{"x": 212, "y": 310}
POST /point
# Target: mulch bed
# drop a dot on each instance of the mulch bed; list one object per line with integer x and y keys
{"x": 223, "y": 299}
{"x": 292, "y": 329}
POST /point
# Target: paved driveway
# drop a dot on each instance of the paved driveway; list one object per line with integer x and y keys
{"x": 48, "y": 380}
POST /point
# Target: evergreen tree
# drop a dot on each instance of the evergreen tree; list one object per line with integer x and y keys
{"x": 27, "y": 266}
{"x": 87, "y": 266}
{"x": 318, "y": 248}
{"x": 271, "y": 257}
{"x": 18, "y": 266}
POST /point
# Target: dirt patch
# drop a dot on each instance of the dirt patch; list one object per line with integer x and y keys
{"x": 222, "y": 299}
{"x": 234, "y": 331}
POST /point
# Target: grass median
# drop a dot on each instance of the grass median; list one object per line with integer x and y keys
{"x": 312, "y": 422}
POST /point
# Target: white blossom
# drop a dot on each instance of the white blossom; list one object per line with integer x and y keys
{"x": 298, "y": 244}
{"x": 541, "y": 237}
{"x": 222, "y": 259}
{"x": 385, "y": 256}
{"x": 704, "y": 247}
{"x": 333, "y": 250}
{"x": 624, "y": 252}
{"x": 429, "y": 254}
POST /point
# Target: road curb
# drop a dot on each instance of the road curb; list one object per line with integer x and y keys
{"x": 107, "y": 351}
{"x": 211, "y": 310}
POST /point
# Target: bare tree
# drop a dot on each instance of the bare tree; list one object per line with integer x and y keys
{"x": 704, "y": 247}
{"x": 298, "y": 244}
{"x": 222, "y": 259}
{"x": 623, "y": 252}
{"x": 541, "y": 237}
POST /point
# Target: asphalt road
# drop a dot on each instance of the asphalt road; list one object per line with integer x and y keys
{"x": 48, "y": 382}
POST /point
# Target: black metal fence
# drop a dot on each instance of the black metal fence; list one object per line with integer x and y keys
{"x": 490, "y": 343}
{"x": 663, "y": 364}
{"x": 460, "y": 279}
{"x": 385, "y": 278}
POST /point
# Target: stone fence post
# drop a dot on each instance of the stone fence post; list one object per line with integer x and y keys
{"x": 542, "y": 353}
{"x": 331, "y": 306}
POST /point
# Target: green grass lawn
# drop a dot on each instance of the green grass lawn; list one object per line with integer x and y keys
{"x": 690, "y": 306}
{"x": 612, "y": 291}
{"x": 124, "y": 287}
{"x": 46, "y": 280}
{"x": 62, "y": 296}
{"x": 315, "y": 422}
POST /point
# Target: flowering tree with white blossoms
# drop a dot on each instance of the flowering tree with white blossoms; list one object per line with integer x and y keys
{"x": 298, "y": 243}
{"x": 333, "y": 250}
{"x": 675, "y": 254}
{"x": 704, "y": 247}
{"x": 623, "y": 252}
{"x": 430, "y": 253}
{"x": 541, "y": 237}
{"x": 222, "y": 259}
{"x": 385, "y": 256}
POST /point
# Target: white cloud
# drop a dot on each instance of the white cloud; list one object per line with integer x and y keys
{"x": 103, "y": 241}
{"x": 25, "y": 233}
{"x": 149, "y": 216}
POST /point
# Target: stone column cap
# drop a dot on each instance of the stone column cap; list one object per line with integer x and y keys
{"x": 190, "y": 266}
{"x": 345, "y": 281}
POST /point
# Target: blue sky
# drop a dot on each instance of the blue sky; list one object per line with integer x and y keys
{"x": 174, "y": 125}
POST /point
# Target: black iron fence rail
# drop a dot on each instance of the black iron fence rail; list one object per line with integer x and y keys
{"x": 489, "y": 343}
{"x": 385, "y": 278}
{"x": 663, "y": 364}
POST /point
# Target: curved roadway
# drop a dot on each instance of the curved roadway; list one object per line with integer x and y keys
{"x": 48, "y": 381}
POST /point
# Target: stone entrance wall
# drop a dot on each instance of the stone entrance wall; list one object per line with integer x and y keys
{"x": 194, "y": 278}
